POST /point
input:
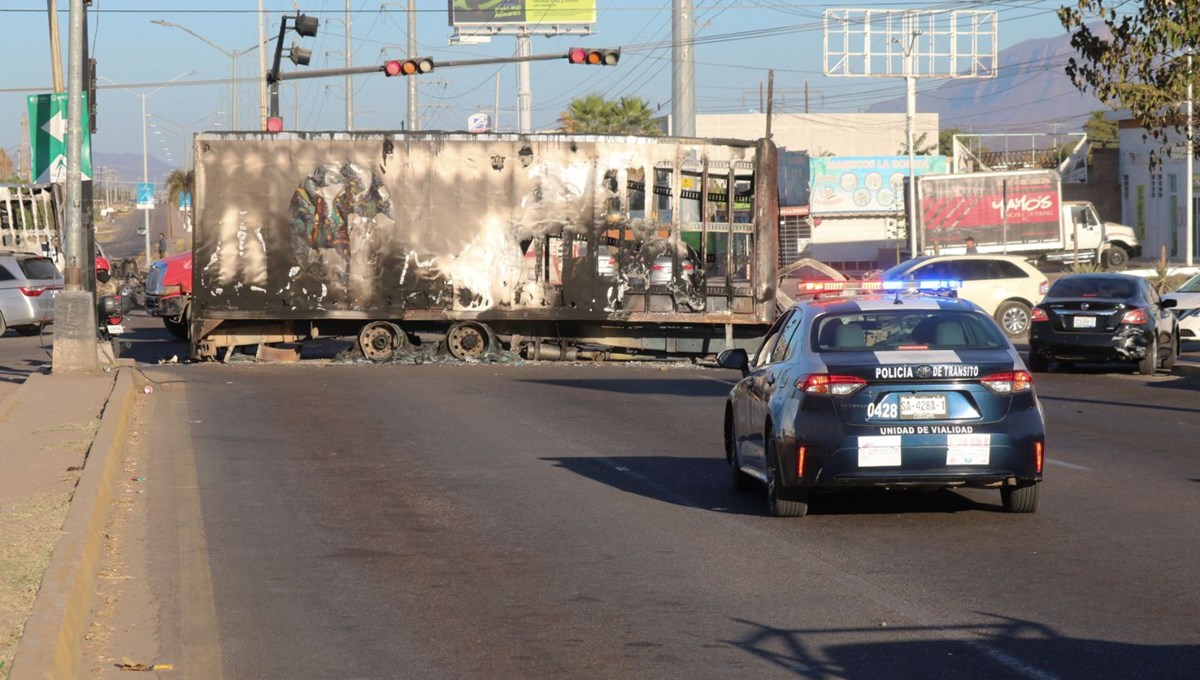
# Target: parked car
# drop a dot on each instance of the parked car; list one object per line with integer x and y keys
{"x": 1005, "y": 286}
{"x": 898, "y": 389}
{"x": 28, "y": 284}
{"x": 1187, "y": 308}
{"x": 661, "y": 272}
{"x": 1103, "y": 317}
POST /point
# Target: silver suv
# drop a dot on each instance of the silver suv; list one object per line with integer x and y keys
{"x": 28, "y": 284}
{"x": 1005, "y": 286}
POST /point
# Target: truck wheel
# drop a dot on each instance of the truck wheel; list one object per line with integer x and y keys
{"x": 466, "y": 340}
{"x": 179, "y": 329}
{"x": 380, "y": 340}
{"x": 1013, "y": 317}
{"x": 1116, "y": 258}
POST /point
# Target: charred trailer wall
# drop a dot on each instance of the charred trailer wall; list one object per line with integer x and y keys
{"x": 507, "y": 228}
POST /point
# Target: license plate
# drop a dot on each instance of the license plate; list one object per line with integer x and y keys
{"x": 115, "y": 330}
{"x": 1085, "y": 322}
{"x": 922, "y": 406}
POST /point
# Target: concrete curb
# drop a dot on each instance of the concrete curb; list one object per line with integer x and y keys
{"x": 52, "y": 644}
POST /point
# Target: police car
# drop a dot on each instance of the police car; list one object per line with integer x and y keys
{"x": 883, "y": 384}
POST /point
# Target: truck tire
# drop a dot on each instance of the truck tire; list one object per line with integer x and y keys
{"x": 1116, "y": 258}
{"x": 180, "y": 328}
{"x": 1013, "y": 317}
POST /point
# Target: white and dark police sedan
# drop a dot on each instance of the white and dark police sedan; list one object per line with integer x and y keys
{"x": 883, "y": 387}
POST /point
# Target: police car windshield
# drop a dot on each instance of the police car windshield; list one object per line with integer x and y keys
{"x": 905, "y": 330}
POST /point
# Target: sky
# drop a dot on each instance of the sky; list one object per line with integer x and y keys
{"x": 185, "y": 81}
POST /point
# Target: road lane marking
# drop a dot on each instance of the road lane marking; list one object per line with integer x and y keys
{"x": 1063, "y": 463}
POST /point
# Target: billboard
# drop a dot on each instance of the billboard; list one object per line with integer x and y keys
{"x": 991, "y": 207}
{"x": 848, "y": 185}
{"x": 466, "y": 13}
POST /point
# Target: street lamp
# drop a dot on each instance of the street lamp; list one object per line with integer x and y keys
{"x": 185, "y": 130}
{"x": 232, "y": 55}
{"x": 145, "y": 155}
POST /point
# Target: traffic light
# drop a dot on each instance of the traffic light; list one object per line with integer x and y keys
{"x": 91, "y": 95}
{"x": 274, "y": 124}
{"x": 408, "y": 67}
{"x": 299, "y": 55}
{"x": 594, "y": 57}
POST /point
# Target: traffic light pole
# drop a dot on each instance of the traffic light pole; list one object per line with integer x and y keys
{"x": 328, "y": 72}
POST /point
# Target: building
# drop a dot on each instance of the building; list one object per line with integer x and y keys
{"x": 1153, "y": 198}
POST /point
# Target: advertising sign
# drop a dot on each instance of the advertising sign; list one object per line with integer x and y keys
{"x": 865, "y": 184}
{"x": 478, "y": 122}
{"x": 510, "y": 12}
{"x": 992, "y": 208}
{"x": 48, "y": 137}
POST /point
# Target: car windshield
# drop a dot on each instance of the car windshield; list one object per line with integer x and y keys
{"x": 1192, "y": 285}
{"x": 905, "y": 330}
{"x": 39, "y": 268}
{"x": 1092, "y": 287}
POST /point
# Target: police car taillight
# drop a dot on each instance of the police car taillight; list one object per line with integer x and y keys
{"x": 836, "y": 385}
{"x": 1135, "y": 316}
{"x": 1009, "y": 382}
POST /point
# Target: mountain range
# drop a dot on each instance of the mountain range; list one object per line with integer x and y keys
{"x": 128, "y": 166}
{"x": 1030, "y": 93}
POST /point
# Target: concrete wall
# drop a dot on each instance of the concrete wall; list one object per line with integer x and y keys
{"x": 1103, "y": 187}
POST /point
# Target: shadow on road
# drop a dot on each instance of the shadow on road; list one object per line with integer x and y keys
{"x": 1009, "y": 648}
{"x": 704, "y": 483}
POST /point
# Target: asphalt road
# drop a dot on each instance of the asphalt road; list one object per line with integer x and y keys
{"x": 493, "y": 521}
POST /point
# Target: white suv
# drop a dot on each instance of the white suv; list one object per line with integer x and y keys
{"x": 1005, "y": 286}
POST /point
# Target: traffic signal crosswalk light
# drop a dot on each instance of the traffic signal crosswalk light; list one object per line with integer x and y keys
{"x": 408, "y": 67}
{"x": 594, "y": 57}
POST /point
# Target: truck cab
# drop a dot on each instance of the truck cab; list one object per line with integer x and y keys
{"x": 1114, "y": 243}
{"x": 169, "y": 292}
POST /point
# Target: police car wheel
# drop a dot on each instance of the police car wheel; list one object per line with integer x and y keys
{"x": 796, "y": 503}
{"x": 1021, "y": 497}
{"x": 1149, "y": 363}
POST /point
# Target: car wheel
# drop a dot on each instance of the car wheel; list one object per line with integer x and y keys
{"x": 1168, "y": 362}
{"x": 796, "y": 502}
{"x": 1013, "y": 317}
{"x": 1149, "y": 364}
{"x": 1036, "y": 362}
{"x": 32, "y": 329}
{"x": 1021, "y": 497}
{"x": 1116, "y": 258}
{"x": 741, "y": 480}
{"x": 3, "y": 326}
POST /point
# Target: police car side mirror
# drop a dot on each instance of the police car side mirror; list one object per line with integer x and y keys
{"x": 736, "y": 359}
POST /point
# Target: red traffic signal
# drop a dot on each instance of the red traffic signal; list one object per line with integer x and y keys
{"x": 594, "y": 57}
{"x": 408, "y": 67}
{"x": 274, "y": 124}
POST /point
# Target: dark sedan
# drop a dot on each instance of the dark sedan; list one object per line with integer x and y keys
{"x": 883, "y": 390}
{"x": 1103, "y": 318}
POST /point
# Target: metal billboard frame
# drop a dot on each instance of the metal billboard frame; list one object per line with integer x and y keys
{"x": 907, "y": 43}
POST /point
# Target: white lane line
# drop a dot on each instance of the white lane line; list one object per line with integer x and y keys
{"x": 1063, "y": 463}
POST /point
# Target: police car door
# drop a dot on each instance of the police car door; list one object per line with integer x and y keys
{"x": 764, "y": 379}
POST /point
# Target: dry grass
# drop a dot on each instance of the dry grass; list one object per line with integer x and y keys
{"x": 91, "y": 426}
{"x": 67, "y": 445}
{"x": 28, "y": 533}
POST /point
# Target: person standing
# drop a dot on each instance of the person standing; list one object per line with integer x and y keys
{"x": 971, "y": 247}
{"x": 162, "y": 245}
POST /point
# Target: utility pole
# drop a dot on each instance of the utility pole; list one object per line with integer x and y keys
{"x": 349, "y": 78}
{"x": 75, "y": 349}
{"x": 414, "y": 118}
{"x": 262, "y": 68}
{"x": 55, "y": 46}
{"x": 524, "y": 93}
{"x": 683, "y": 77}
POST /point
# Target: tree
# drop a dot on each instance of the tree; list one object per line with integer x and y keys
{"x": 178, "y": 182}
{"x": 597, "y": 115}
{"x": 1101, "y": 131}
{"x": 946, "y": 141}
{"x": 6, "y": 166}
{"x": 1139, "y": 61}
{"x": 920, "y": 146}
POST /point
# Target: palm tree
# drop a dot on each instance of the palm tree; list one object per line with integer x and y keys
{"x": 178, "y": 182}
{"x": 594, "y": 114}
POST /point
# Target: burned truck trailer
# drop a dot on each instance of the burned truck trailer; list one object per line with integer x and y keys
{"x": 550, "y": 244}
